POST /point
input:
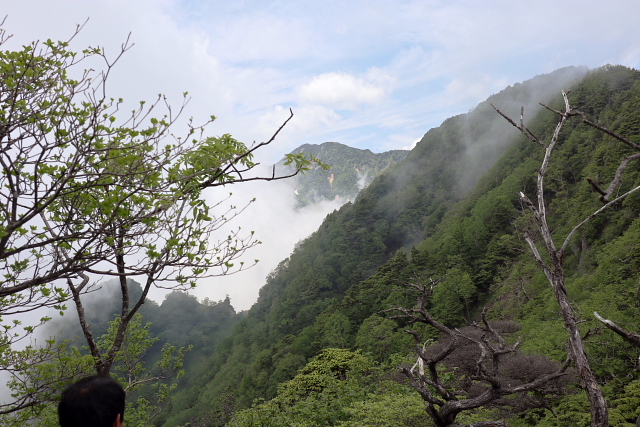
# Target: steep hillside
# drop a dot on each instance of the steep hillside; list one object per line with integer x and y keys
{"x": 351, "y": 170}
{"x": 478, "y": 249}
{"x": 426, "y": 196}
{"x": 180, "y": 320}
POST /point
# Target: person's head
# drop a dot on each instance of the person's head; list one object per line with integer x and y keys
{"x": 96, "y": 401}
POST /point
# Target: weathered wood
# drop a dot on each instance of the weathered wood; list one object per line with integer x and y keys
{"x": 553, "y": 269}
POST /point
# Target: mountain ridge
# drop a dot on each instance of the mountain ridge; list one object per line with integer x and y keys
{"x": 352, "y": 169}
{"x": 356, "y": 241}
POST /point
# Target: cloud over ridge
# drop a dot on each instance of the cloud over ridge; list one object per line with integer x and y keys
{"x": 343, "y": 91}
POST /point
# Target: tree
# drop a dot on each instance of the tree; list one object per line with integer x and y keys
{"x": 377, "y": 336}
{"x": 490, "y": 368}
{"x": 552, "y": 264}
{"x": 335, "y": 329}
{"x": 83, "y": 196}
{"x": 40, "y": 384}
{"x": 317, "y": 395}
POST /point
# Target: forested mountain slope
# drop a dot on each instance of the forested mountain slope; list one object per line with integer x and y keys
{"x": 341, "y": 276}
{"x": 478, "y": 247}
{"x": 352, "y": 169}
{"x": 180, "y": 320}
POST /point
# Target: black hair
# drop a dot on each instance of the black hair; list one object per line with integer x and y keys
{"x": 93, "y": 401}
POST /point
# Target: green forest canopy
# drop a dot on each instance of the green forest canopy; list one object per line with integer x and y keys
{"x": 329, "y": 293}
{"x": 316, "y": 349}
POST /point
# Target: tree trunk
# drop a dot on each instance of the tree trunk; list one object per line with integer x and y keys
{"x": 597, "y": 402}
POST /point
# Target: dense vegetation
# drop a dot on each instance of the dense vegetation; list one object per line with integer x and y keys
{"x": 317, "y": 348}
{"x": 351, "y": 170}
{"x": 329, "y": 292}
{"x": 89, "y": 191}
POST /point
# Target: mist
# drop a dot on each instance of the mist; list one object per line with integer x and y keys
{"x": 277, "y": 223}
{"x": 483, "y": 151}
{"x": 280, "y": 225}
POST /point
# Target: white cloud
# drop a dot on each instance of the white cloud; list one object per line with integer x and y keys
{"x": 308, "y": 121}
{"x": 258, "y": 35}
{"x": 372, "y": 73}
{"x": 413, "y": 144}
{"x": 344, "y": 91}
{"x": 276, "y": 224}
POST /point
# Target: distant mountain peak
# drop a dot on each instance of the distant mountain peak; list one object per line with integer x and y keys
{"x": 352, "y": 169}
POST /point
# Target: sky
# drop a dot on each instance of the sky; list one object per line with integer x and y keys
{"x": 371, "y": 74}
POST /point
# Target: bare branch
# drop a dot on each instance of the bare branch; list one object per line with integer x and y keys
{"x": 443, "y": 404}
{"x": 554, "y": 271}
{"x": 593, "y": 215}
{"x": 526, "y": 132}
{"x": 630, "y": 337}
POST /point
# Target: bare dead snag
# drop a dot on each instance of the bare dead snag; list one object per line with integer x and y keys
{"x": 554, "y": 270}
{"x": 443, "y": 399}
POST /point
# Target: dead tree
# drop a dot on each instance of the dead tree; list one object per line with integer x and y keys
{"x": 485, "y": 382}
{"x": 553, "y": 268}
